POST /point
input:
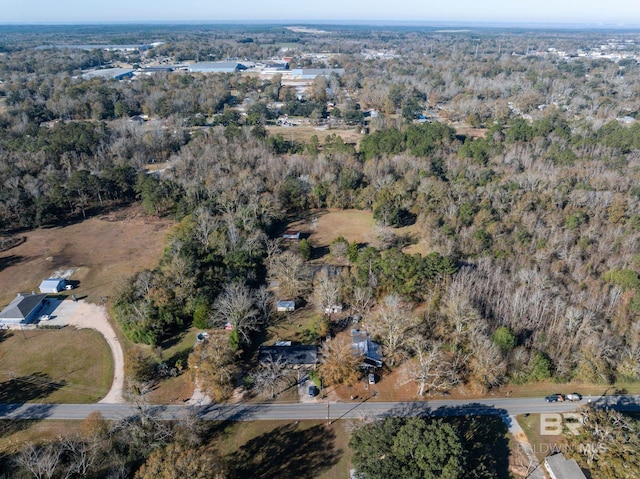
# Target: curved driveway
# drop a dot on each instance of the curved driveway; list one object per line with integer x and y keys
{"x": 93, "y": 316}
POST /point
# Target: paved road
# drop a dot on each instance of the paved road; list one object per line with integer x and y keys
{"x": 503, "y": 407}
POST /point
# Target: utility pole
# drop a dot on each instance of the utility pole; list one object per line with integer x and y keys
{"x": 328, "y": 420}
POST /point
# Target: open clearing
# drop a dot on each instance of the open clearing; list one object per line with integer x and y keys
{"x": 287, "y": 450}
{"x": 354, "y": 225}
{"x": 102, "y": 250}
{"x": 175, "y": 350}
{"x": 54, "y": 366}
{"x": 303, "y": 133}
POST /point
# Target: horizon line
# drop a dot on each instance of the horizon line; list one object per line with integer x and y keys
{"x": 346, "y": 22}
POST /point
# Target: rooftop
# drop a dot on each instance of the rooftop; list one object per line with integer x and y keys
{"x": 21, "y": 306}
{"x": 292, "y": 355}
{"x": 561, "y": 468}
{"x": 108, "y": 73}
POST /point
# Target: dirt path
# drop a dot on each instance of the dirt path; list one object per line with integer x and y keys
{"x": 93, "y": 316}
{"x": 534, "y": 469}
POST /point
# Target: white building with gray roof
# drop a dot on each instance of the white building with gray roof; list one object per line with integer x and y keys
{"x": 22, "y": 310}
{"x": 559, "y": 467}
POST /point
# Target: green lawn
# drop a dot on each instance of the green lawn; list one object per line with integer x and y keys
{"x": 175, "y": 350}
{"x": 286, "y": 450}
{"x": 54, "y": 366}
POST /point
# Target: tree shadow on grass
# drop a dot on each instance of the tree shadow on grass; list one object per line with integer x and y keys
{"x": 23, "y": 389}
{"x": 287, "y": 452}
{"x": 10, "y": 261}
{"x": 11, "y": 426}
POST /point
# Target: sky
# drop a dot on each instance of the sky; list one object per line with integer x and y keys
{"x": 622, "y": 12}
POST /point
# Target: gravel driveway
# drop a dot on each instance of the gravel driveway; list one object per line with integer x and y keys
{"x": 93, "y": 316}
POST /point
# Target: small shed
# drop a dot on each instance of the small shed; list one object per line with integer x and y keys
{"x": 286, "y": 306}
{"x": 333, "y": 309}
{"x": 52, "y": 285}
{"x": 291, "y": 234}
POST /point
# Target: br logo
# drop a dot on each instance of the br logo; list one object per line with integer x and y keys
{"x": 553, "y": 424}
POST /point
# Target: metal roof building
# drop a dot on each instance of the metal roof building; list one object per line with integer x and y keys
{"x": 52, "y": 285}
{"x": 216, "y": 67}
{"x": 311, "y": 73}
{"x": 23, "y": 309}
{"x": 109, "y": 74}
{"x": 286, "y": 306}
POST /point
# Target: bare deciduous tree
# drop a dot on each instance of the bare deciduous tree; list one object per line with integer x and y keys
{"x": 40, "y": 461}
{"x": 205, "y": 224}
{"x": 362, "y": 300}
{"x": 430, "y": 369}
{"x": 326, "y": 291}
{"x": 270, "y": 377}
{"x": 235, "y": 305}
{"x": 291, "y": 274}
{"x": 392, "y": 325}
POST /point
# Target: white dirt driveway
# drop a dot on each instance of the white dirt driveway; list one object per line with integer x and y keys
{"x": 93, "y": 316}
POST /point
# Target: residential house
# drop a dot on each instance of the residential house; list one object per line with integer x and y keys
{"x": 22, "y": 310}
{"x": 559, "y": 467}
{"x": 296, "y": 357}
{"x": 362, "y": 344}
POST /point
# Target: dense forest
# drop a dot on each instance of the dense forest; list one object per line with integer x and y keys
{"x": 518, "y": 166}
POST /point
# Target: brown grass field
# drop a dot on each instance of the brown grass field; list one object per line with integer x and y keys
{"x": 542, "y": 444}
{"x": 303, "y": 133}
{"x": 54, "y": 366}
{"x": 354, "y": 225}
{"x": 174, "y": 390}
{"x": 13, "y": 434}
{"x": 103, "y": 250}
{"x": 287, "y": 450}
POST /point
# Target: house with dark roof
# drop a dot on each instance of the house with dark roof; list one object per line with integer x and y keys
{"x": 22, "y": 310}
{"x": 293, "y": 356}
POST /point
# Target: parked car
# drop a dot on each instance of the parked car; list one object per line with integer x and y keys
{"x": 372, "y": 378}
{"x": 574, "y": 397}
{"x": 313, "y": 391}
{"x": 554, "y": 398}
